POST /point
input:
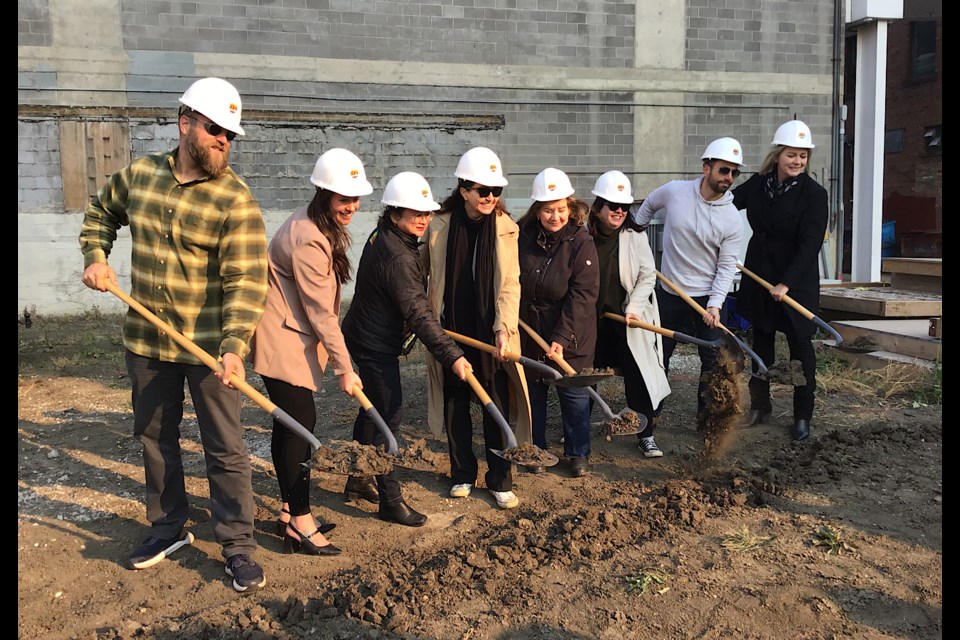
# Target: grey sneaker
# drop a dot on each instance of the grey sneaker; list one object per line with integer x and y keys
{"x": 245, "y": 572}
{"x": 650, "y": 448}
{"x": 153, "y": 550}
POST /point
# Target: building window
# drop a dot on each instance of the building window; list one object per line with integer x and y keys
{"x": 923, "y": 50}
{"x": 933, "y": 139}
{"x": 893, "y": 141}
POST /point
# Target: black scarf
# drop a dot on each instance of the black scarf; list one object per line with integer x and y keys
{"x": 775, "y": 188}
{"x": 468, "y": 296}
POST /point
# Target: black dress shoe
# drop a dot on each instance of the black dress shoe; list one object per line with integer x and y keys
{"x": 401, "y": 513}
{"x": 322, "y": 527}
{"x": 535, "y": 468}
{"x": 758, "y": 417}
{"x": 305, "y": 545}
{"x": 578, "y": 467}
{"x": 363, "y": 488}
{"x": 801, "y": 429}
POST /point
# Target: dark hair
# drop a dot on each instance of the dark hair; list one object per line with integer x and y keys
{"x": 578, "y": 212}
{"x": 628, "y": 222}
{"x": 455, "y": 200}
{"x": 321, "y": 212}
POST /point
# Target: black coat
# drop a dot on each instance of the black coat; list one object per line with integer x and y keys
{"x": 558, "y": 293}
{"x": 390, "y": 299}
{"x": 788, "y": 233}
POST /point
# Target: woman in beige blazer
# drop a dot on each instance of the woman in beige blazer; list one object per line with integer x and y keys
{"x": 299, "y": 332}
{"x": 474, "y": 289}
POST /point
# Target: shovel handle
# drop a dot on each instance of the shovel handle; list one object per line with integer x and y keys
{"x": 240, "y": 384}
{"x": 570, "y": 371}
{"x": 670, "y": 333}
{"x": 761, "y": 367}
{"x": 523, "y": 360}
{"x": 378, "y": 420}
{"x": 491, "y": 408}
{"x": 799, "y": 308}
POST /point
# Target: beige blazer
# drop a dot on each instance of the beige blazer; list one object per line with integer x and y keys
{"x": 638, "y": 275}
{"x": 300, "y": 328}
{"x": 507, "y": 291}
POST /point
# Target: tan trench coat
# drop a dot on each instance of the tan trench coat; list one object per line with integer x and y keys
{"x": 507, "y": 292}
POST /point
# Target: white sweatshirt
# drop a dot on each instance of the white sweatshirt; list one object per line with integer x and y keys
{"x": 701, "y": 238}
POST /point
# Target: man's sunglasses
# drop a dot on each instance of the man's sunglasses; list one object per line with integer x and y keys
{"x": 727, "y": 170}
{"x": 483, "y": 192}
{"x": 214, "y": 129}
{"x": 616, "y": 206}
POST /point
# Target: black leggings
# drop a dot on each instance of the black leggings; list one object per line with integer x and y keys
{"x": 288, "y": 449}
{"x": 613, "y": 351}
{"x": 801, "y": 348}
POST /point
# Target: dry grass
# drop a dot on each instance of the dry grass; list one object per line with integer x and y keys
{"x": 892, "y": 380}
{"x": 745, "y": 540}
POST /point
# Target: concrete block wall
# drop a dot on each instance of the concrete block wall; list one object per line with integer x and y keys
{"x": 565, "y": 83}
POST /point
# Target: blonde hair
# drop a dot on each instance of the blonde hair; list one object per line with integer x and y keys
{"x": 770, "y": 162}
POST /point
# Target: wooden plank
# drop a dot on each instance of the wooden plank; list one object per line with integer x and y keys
{"x": 111, "y": 149}
{"x": 906, "y": 337}
{"x": 936, "y": 328}
{"x": 883, "y": 302}
{"x": 916, "y": 282}
{"x": 73, "y": 165}
{"x": 879, "y": 359}
{"x": 916, "y": 266}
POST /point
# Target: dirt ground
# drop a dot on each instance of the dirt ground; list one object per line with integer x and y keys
{"x": 836, "y": 537}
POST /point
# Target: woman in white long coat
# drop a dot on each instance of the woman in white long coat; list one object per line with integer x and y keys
{"x": 628, "y": 276}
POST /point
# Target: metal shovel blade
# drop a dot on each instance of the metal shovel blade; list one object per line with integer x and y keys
{"x": 527, "y": 454}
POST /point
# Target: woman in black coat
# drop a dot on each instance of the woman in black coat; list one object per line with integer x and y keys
{"x": 559, "y": 281}
{"x": 787, "y": 211}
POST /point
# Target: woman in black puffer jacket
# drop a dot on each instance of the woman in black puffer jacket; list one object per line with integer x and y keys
{"x": 389, "y": 308}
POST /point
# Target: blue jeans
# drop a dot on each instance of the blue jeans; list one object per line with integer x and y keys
{"x": 574, "y": 414}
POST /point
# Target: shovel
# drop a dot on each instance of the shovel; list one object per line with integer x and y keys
{"x": 796, "y": 305}
{"x": 626, "y": 414}
{"x": 761, "y": 368}
{"x": 555, "y": 377}
{"x": 670, "y": 333}
{"x": 243, "y": 386}
{"x": 543, "y": 458}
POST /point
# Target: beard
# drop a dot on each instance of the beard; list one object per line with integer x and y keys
{"x": 211, "y": 160}
{"x": 716, "y": 186}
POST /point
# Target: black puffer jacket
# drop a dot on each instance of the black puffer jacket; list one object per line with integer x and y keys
{"x": 390, "y": 299}
{"x": 559, "y": 284}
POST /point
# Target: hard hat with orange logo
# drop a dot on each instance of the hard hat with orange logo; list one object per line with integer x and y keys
{"x": 218, "y": 100}
{"x": 341, "y": 171}
{"x": 409, "y": 190}
{"x": 551, "y": 184}
{"x": 613, "y": 186}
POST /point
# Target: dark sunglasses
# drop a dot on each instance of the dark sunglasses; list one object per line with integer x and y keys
{"x": 483, "y": 192}
{"x": 726, "y": 170}
{"x": 214, "y": 129}
{"x": 616, "y": 206}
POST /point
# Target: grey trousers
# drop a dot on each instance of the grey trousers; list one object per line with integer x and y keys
{"x": 158, "y": 395}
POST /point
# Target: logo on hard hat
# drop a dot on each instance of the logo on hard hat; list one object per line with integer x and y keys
{"x": 801, "y": 135}
{"x": 551, "y": 187}
{"x": 493, "y": 168}
{"x": 233, "y": 107}
{"x": 620, "y": 187}
{"x": 354, "y": 173}
{"x": 736, "y": 151}
{"x": 425, "y": 193}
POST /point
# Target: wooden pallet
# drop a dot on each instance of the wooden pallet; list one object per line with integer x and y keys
{"x": 915, "y": 274}
{"x": 908, "y": 337}
{"x": 879, "y": 302}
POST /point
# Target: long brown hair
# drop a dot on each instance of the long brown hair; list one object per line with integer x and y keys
{"x": 321, "y": 212}
{"x": 455, "y": 200}
{"x": 579, "y": 211}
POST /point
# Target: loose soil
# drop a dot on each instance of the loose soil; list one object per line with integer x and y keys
{"x": 836, "y": 537}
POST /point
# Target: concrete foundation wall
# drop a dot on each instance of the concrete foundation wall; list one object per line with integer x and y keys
{"x": 582, "y": 85}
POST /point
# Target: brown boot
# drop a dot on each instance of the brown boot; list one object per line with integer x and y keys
{"x": 362, "y": 488}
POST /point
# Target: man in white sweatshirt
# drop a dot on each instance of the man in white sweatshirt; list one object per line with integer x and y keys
{"x": 702, "y": 230}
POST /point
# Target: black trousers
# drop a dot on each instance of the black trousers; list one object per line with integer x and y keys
{"x": 613, "y": 351}
{"x": 380, "y": 374}
{"x": 801, "y": 348}
{"x": 464, "y": 468}
{"x": 290, "y": 452}
{"x": 677, "y": 315}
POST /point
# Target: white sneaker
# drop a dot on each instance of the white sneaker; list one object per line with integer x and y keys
{"x": 460, "y": 490}
{"x": 650, "y": 448}
{"x": 505, "y": 499}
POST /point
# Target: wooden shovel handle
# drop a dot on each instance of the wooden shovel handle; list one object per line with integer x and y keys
{"x": 766, "y": 285}
{"x": 690, "y": 301}
{"x": 473, "y": 342}
{"x": 570, "y": 371}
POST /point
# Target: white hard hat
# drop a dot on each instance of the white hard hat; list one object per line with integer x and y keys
{"x": 218, "y": 100}
{"x": 409, "y": 190}
{"x": 613, "y": 186}
{"x": 482, "y": 166}
{"x": 724, "y": 149}
{"x": 551, "y": 184}
{"x": 341, "y": 171}
{"x": 793, "y": 134}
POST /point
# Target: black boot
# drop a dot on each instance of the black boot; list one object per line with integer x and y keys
{"x": 401, "y": 513}
{"x": 801, "y": 429}
{"x": 758, "y": 416}
{"x": 363, "y": 488}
